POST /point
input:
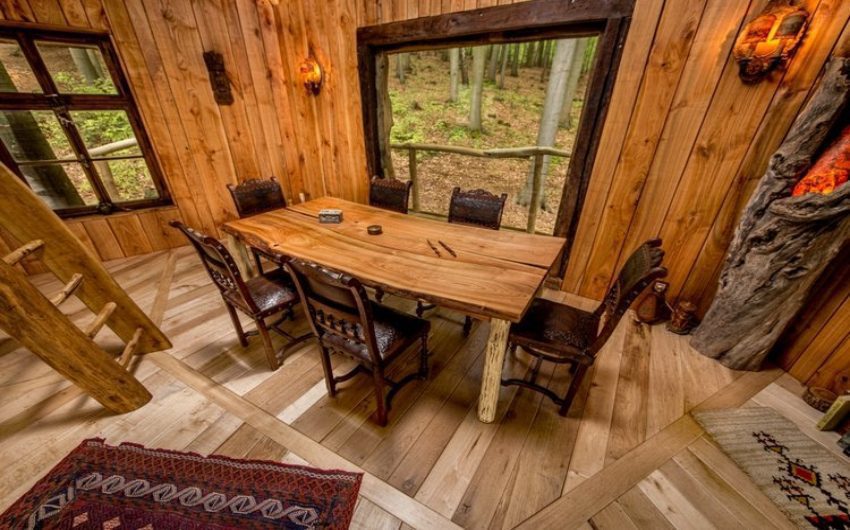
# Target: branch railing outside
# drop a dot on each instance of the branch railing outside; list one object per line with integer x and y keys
{"x": 534, "y": 153}
{"x": 106, "y": 176}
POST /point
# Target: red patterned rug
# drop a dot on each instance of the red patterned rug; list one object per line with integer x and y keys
{"x": 134, "y": 488}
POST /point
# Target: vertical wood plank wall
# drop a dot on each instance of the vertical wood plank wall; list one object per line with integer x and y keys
{"x": 683, "y": 145}
{"x": 312, "y": 144}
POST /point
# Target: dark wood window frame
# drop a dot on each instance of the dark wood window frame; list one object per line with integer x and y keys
{"x": 61, "y": 104}
{"x": 526, "y": 21}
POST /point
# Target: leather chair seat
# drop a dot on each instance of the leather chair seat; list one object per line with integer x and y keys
{"x": 270, "y": 291}
{"x": 556, "y": 329}
{"x": 394, "y": 331}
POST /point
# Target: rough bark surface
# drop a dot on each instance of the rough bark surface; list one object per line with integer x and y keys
{"x": 782, "y": 243}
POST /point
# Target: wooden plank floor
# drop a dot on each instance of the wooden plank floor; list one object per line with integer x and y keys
{"x": 627, "y": 456}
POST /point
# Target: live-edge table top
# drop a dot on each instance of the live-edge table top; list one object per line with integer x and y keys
{"x": 492, "y": 274}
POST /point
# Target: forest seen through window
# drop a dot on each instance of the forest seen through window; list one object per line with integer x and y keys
{"x": 530, "y": 94}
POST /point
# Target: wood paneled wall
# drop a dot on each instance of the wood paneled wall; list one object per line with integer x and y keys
{"x": 816, "y": 347}
{"x": 684, "y": 142}
{"x": 687, "y": 140}
{"x": 312, "y": 143}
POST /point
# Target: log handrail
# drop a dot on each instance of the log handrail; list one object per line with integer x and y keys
{"x": 534, "y": 152}
{"x": 112, "y": 147}
{"x": 103, "y": 165}
{"x": 501, "y": 152}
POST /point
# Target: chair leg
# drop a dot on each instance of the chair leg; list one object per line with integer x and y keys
{"x": 379, "y": 294}
{"x": 381, "y": 413}
{"x": 575, "y": 383}
{"x": 421, "y": 307}
{"x": 329, "y": 372}
{"x": 467, "y": 326}
{"x": 258, "y": 261}
{"x": 243, "y": 340}
{"x": 535, "y": 370}
{"x": 423, "y": 357}
{"x": 274, "y": 364}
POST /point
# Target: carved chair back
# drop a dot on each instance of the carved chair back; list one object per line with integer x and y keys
{"x": 219, "y": 264}
{"x": 641, "y": 269}
{"x": 477, "y": 208}
{"x": 390, "y": 194}
{"x": 256, "y": 196}
{"x": 337, "y": 306}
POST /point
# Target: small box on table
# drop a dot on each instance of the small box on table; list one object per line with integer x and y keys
{"x": 330, "y": 215}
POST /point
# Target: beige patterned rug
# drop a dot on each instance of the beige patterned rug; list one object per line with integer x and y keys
{"x": 806, "y": 481}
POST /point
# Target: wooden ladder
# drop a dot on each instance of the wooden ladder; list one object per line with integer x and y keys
{"x": 36, "y": 321}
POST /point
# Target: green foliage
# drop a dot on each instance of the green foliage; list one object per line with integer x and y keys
{"x": 103, "y": 127}
{"x": 458, "y": 133}
{"x": 131, "y": 176}
{"x": 73, "y": 83}
{"x": 589, "y": 53}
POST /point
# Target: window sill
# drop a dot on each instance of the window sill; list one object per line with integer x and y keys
{"x": 90, "y": 216}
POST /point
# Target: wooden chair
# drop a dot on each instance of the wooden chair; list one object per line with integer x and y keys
{"x": 348, "y": 323}
{"x": 390, "y": 194}
{"x": 478, "y": 208}
{"x": 564, "y": 334}
{"x": 256, "y": 196}
{"x": 259, "y": 298}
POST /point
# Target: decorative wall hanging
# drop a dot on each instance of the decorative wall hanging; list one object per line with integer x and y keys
{"x": 312, "y": 76}
{"x": 654, "y": 307}
{"x": 683, "y": 319}
{"x": 769, "y": 41}
{"x": 219, "y": 81}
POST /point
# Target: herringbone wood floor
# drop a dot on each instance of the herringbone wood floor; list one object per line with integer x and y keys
{"x": 628, "y": 455}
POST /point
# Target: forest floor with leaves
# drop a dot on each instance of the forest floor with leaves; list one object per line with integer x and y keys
{"x": 422, "y": 113}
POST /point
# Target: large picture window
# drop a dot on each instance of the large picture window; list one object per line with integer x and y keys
{"x": 69, "y": 127}
{"x": 602, "y": 25}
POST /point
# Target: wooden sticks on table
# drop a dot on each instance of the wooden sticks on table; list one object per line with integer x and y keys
{"x": 437, "y": 251}
{"x": 450, "y": 251}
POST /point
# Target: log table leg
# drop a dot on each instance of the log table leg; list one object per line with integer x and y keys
{"x": 240, "y": 256}
{"x": 491, "y": 380}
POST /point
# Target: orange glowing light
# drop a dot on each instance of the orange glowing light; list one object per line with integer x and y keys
{"x": 311, "y": 75}
{"x": 768, "y": 41}
{"x": 830, "y": 171}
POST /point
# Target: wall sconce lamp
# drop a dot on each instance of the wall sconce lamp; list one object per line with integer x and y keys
{"x": 311, "y": 76}
{"x": 769, "y": 41}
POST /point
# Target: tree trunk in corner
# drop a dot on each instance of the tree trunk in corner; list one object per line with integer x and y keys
{"x": 517, "y": 50}
{"x": 572, "y": 82}
{"x": 385, "y": 115}
{"x": 464, "y": 71}
{"x": 493, "y": 62}
{"x": 548, "y": 131}
{"x": 454, "y": 73}
{"x": 479, "y": 58}
{"x": 782, "y": 243}
{"x": 504, "y": 64}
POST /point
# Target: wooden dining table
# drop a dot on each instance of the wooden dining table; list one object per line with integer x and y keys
{"x": 489, "y": 275}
